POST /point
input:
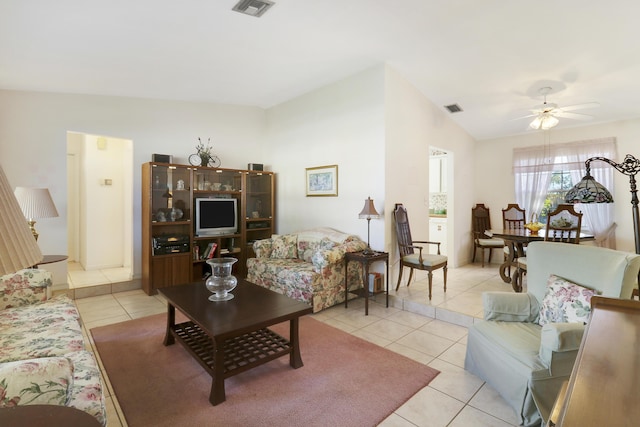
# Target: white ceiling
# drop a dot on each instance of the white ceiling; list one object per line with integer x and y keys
{"x": 489, "y": 56}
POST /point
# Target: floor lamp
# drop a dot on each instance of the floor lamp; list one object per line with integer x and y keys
{"x": 588, "y": 190}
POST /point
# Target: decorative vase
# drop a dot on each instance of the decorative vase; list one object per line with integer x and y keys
{"x": 204, "y": 160}
{"x": 221, "y": 282}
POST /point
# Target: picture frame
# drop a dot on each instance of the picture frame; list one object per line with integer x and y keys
{"x": 322, "y": 181}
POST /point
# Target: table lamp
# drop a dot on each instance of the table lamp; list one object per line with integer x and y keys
{"x": 35, "y": 203}
{"x": 18, "y": 249}
{"x": 368, "y": 212}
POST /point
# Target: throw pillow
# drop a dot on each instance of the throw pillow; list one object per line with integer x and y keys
{"x": 44, "y": 381}
{"x": 308, "y": 249}
{"x": 284, "y": 246}
{"x": 565, "y": 302}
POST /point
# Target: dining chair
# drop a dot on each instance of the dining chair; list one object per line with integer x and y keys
{"x": 481, "y": 222}
{"x": 513, "y": 218}
{"x": 563, "y": 225}
{"x": 407, "y": 248}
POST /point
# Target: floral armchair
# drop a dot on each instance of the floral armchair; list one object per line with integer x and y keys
{"x": 307, "y": 266}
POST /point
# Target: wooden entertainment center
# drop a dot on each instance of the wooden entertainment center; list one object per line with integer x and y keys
{"x": 172, "y": 252}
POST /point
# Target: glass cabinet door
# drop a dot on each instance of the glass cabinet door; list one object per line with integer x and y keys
{"x": 170, "y": 194}
{"x": 259, "y": 191}
{"x": 218, "y": 181}
{"x": 259, "y": 206}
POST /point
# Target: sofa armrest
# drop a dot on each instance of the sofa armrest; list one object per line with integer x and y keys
{"x": 561, "y": 336}
{"x": 559, "y": 345}
{"x": 510, "y": 307}
{"x": 262, "y": 248}
{"x": 326, "y": 257}
{"x": 27, "y": 286}
{"x": 44, "y": 381}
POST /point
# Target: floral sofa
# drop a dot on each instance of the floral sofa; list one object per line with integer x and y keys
{"x": 42, "y": 352}
{"x": 307, "y": 266}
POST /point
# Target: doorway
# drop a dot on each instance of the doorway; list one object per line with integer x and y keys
{"x": 440, "y": 208}
{"x": 100, "y": 209}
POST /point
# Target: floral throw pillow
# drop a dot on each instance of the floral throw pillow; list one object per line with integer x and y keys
{"x": 284, "y": 246}
{"x": 44, "y": 381}
{"x": 565, "y": 302}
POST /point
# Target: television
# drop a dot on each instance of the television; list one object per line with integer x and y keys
{"x": 216, "y": 216}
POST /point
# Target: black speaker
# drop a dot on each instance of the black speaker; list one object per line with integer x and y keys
{"x": 255, "y": 166}
{"x": 162, "y": 158}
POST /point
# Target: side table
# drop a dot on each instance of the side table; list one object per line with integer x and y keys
{"x": 365, "y": 260}
{"x": 48, "y": 259}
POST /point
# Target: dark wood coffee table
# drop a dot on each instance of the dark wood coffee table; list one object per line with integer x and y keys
{"x": 230, "y": 337}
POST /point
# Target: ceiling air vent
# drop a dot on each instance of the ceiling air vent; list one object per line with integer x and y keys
{"x": 453, "y": 108}
{"x": 253, "y": 7}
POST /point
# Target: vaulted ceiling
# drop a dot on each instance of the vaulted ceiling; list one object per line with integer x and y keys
{"x": 490, "y": 57}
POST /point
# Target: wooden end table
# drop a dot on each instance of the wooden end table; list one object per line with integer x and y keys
{"x": 365, "y": 260}
{"x": 230, "y": 337}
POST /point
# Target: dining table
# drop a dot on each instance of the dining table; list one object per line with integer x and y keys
{"x": 517, "y": 240}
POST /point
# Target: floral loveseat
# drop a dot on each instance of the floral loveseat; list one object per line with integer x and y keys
{"x": 42, "y": 355}
{"x": 307, "y": 266}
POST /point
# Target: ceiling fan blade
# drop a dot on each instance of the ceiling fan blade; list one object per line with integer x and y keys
{"x": 580, "y": 106}
{"x": 574, "y": 116}
{"x": 525, "y": 117}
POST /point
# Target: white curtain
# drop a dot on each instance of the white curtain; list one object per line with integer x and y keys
{"x": 532, "y": 171}
{"x": 533, "y": 166}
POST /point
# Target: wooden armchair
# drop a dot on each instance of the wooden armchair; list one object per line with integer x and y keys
{"x": 481, "y": 222}
{"x": 407, "y": 248}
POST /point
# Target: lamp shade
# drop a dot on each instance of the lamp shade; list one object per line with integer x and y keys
{"x": 36, "y": 202}
{"x": 588, "y": 190}
{"x": 544, "y": 121}
{"x": 369, "y": 210}
{"x": 18, "y": 248}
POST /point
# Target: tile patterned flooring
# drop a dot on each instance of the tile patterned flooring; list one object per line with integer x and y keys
{"x": 432, "y": 333}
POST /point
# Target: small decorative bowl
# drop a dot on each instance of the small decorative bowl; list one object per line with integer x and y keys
{"x": 534, "y": 227}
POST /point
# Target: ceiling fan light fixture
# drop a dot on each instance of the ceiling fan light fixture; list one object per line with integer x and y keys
{"x": 544, "y": 121}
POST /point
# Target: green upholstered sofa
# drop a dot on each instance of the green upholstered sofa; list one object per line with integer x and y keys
{"x": 524, "y": 361}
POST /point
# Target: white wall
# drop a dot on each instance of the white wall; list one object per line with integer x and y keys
{"x": 343, "y": 124}
{"x": 413, "y": 124}
{"x": 377, "y": 127}
{"x": 494, "y": 186}
{"x": 33, "y": 139}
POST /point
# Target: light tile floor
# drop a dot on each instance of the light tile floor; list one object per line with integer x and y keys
{"x": 77, "y": 277}
{"x": 432, "y": 333}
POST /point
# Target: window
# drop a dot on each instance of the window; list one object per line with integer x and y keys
{"x": 543, "y": 174}
{"x": 559, "y": 185}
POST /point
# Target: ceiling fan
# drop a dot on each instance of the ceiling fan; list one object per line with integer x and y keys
{"x": 546, "y": 115}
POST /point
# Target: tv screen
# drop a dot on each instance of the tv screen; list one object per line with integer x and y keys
{"x": 216, "y": 217}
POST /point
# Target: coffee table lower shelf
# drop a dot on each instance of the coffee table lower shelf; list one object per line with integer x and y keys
{"x": 240, "y": 353}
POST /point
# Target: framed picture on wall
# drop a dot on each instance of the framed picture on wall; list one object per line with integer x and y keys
{"x": 322, "y": 181}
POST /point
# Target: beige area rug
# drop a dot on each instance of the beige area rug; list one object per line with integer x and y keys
{"x": 345, "y": 381}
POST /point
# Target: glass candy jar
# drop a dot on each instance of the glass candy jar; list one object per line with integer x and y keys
{"x": 221, "y": 282}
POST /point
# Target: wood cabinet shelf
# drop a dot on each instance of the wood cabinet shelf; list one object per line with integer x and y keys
{"x": 168, "y": 189}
